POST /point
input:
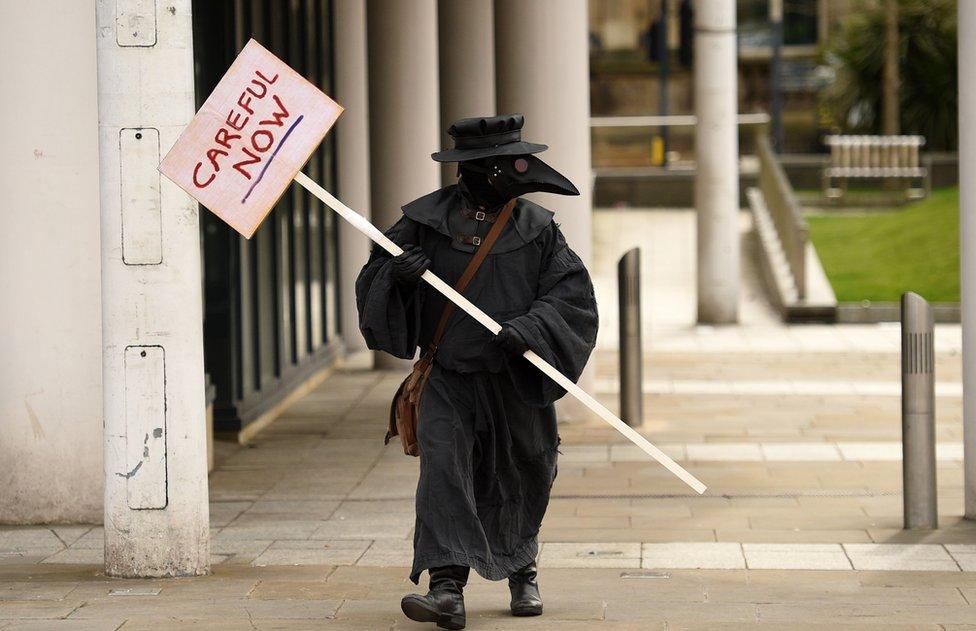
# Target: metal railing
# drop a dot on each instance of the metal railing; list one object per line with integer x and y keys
{"x": 791, "y": 227}
{"x": 671, "y": 120}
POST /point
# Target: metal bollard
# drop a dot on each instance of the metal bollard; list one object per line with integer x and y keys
{"x": 631, "y": 351}
{"x": 918, "y": 413}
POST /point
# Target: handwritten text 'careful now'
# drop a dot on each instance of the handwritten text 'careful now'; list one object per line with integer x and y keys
{"x": 253, "y": 126}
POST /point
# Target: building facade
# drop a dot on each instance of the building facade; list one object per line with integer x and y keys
{"x": 278, "y": 310}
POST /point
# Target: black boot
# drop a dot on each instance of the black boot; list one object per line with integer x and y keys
{"x": 444, "y": 603}
{"x": 526, "y": 600}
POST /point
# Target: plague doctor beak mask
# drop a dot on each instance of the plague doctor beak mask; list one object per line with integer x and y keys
{"x": 496, "y": 165}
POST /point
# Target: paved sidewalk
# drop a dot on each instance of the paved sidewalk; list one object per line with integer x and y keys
{"x": 313, "y": 523}
{"x": 795, "y": 429}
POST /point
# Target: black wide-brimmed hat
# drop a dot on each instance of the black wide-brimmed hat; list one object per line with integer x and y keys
{"x": 487, "y": 136}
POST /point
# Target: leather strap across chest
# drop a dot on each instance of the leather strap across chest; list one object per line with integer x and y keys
{"x": 479, "y": 257}
{"x": 480, "y": 215}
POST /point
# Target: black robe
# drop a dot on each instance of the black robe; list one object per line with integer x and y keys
{"x": 487, "y": 434}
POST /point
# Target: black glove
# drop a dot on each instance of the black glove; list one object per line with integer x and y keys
{"x": 511, "y": 341}
{"x": 409, "y": 266}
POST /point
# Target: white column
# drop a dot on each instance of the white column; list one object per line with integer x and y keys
{"x": 717, "y": 154}
{"x": 467, "y": 66}
{"x": 542, "y": 57}
{"x": 156, "y": 510}
{"x": 967, "y": 238}
{"x": 404, "y": 110}
{"x": 352, "y": 148}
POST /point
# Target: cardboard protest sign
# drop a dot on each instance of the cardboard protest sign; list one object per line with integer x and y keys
{"x": 251, "y": 137}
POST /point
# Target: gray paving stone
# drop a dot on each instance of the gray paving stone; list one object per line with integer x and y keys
{"x": 373, "y": 526}
{"x": 795, "y": 452}
{"x": 795, "y": 556}
{"x": 84, "y": 556}
{"x": 271, "y": 529}
{"x": 388, "y": 553}
{"x": 112, "y": 624}
{"x": 964, "y": 555}
{"x": 220, "y": 544}
{"x": 336, "y": 552}
{"x": 633, "y": 453}
{"x": 903, "y": 557}
{"x": 590, "y": 555}
{"x": 748, "y": 452}
{"x": 705, "y": 555}
{"x": 572, "y": 454}
{"x": 70, "y": 534}
{"x": 880, "y": 451}
{"x": 29, "y": 541}
{"x": 36, "y": 590}
{"x": 94, "y": 539}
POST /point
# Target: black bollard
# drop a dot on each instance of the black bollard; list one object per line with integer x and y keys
{"x": 631, "y": 351}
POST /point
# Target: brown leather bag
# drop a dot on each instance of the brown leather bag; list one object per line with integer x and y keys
{"x": 405, "y": 408}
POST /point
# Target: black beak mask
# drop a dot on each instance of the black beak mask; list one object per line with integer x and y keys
{"x": 497, "y": 179}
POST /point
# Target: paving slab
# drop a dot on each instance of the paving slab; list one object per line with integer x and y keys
{"x": 795, "y": 556}
{"x": 388, "y": 553}
{"x": 724, "y": 451}
{"x": 334, "y": 552}
{"x": 963, "y": 554}
{"x": 909, "y": 557}
{"x": 581, "y": 555}
{"x": 790, "y": 452}
{"x": 686, "y": 555}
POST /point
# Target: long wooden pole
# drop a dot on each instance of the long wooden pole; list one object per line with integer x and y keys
{"x": 371, "y": 231}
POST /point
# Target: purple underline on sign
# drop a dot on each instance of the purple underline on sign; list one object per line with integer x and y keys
{"x": 272, "y": 156}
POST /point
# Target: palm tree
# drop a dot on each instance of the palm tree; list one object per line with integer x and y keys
{"x": 854, "y": 59}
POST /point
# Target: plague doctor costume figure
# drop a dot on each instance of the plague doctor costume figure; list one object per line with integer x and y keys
{"x": 486, "y": 428}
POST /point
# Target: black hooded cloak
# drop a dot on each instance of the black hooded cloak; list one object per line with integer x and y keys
{"x": 487, "y": 434}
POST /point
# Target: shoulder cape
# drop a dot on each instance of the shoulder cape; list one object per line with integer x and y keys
{"x": 528, "y": 218}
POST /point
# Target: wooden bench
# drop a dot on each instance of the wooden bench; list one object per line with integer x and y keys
{"x": 875, "y": 157}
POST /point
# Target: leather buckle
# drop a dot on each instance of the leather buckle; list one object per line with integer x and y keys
{"x": 475, "y": 240}
{"x": 480, "y": 215}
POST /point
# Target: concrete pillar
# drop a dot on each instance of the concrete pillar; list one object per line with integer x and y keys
{"x": 967, "y": 238}
{"x": 717, "y": 154}
{"x": 156, "y": 508}
{"x": 467, "y": 66}
{"x": 352, "y": 148}
{"x": 542, "y": 70}
{"x": 542, "y": 57}
{"x": 404, "y": 109}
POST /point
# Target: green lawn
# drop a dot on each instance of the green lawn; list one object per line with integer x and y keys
{"x": 880, "y": 255}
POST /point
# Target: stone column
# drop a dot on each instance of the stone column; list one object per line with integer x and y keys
{"x": 967, "y": 240}
{"x": 404, "y": 109}
{"x": 467, "y": 66}
{"x": 156, "y": 508}
{"x": 352, "y": 149}
{"x": 542, "y": 59}
{"x": 717, "y": 155}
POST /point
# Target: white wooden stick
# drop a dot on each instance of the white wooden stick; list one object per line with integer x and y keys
{"x": 371, "y": 231}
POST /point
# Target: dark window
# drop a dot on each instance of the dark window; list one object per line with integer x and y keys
{"x": 270, "y": 302}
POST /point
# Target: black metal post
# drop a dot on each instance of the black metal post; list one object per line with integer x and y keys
{"x": 776, "y": 72}
{"x": 631, "y": 350}
{"x": 663, "y": 68}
